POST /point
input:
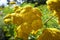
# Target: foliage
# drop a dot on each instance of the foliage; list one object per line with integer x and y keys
{"x": 7, "y": 10}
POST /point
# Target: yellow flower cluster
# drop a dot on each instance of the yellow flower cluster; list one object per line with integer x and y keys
{"x": 12, "y": 2}
{"x": 50, "y": 34}
{"x": 27, "y": 19}
{"x": 54, "y": 6}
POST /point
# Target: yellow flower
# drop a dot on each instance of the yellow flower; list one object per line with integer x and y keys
{"x": 16, "y": 6}
{"x": 25, "y": 28}
{"x": 18, "y": 10}
{"x": 7, "y": 16}
{"x": 54, "y": 6}
{"x": 36, "y": 24}
{"x": 34, "y": 32}
{"x": 50, "y": 34}
{"x": 27, "y": 19}
{"x": 7, "y": 21}
{"x": 27, "y": 7}
{"x": 16, "y": 19}
{"x": 12, "y": 2}
{"x": 37, "y": 12}
{"x": 22, "y": 33}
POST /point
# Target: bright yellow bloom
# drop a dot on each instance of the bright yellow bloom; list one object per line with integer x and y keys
{"x": 54, "y": 6}
{"x": 37, "y": 12}
{"x": 34, "y": 32}
{"x": 27, "y": 7}
{"x": 50, "y": 34}
{"x": 27, "y": 19}
{"x": 36, "y": 24}
{"x": 23, "y": 31}
{"x": 17, "y": 9}
{"x": 7, "y": 21}
{"x": 7, "y": 16}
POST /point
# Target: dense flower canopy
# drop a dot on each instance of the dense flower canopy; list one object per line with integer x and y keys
{"x": 27, "y": 19}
